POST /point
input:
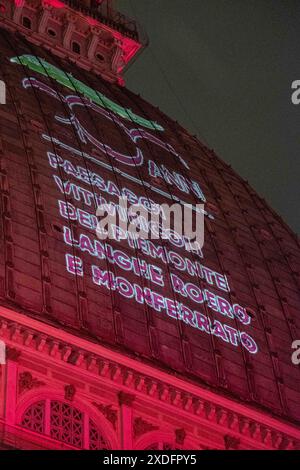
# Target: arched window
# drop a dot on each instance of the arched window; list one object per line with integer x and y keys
{"x": 64, "y": 423}
{"x": 96, "y": 439}
{"x": 33, "y": 418}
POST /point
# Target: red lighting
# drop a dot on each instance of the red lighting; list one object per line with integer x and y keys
{"x": 118, "y": 330}
{"x": 55, "y": 3}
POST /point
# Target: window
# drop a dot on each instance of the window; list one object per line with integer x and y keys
{"x": 26, "y": 22}
{"x": 33, "y": 418}
{"x": 64, "y": 423}
{"x": 95, "y": 438}
{"x": 100, "y": 57}
{"x": 51, "y": 32}
{"x": 76, "y": 47}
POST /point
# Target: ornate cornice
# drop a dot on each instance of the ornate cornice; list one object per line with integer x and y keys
{"x": 253, "y": 427}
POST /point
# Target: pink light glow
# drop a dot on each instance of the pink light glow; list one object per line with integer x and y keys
{"x": 55, "y": 3}
{"x": 130, "y": 47}
{"x": 92, "y": 21}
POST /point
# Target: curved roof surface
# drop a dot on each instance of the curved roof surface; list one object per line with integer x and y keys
{"x": 225, "y": 316}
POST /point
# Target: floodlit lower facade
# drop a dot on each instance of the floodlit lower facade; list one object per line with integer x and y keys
{"x": 129, "y": 344}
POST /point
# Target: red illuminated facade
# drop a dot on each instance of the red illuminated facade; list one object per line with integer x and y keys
{"x": 129, "y": 345}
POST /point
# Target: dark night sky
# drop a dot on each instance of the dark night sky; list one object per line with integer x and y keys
{"x": 224, "y": 70}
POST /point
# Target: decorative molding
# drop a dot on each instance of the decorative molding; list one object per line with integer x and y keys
{"x": 140, "y": 427}
{"x": 180, "y": 435}
{"x": 70, "y": 392}
{"x": 110, "y": 414}
{"x": 231, "y": 442}
{"x": 12, "y": 354}
{"x": 125, "y": 398}
{"x": 28, "y": 382}
{"x": 144, "y": 385}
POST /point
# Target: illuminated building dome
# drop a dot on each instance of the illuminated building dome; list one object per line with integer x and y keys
{"x": 124, "y": 345}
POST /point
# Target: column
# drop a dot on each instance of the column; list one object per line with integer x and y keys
{"x": 125, "y": 402}
{"x": 12, "y": 356}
